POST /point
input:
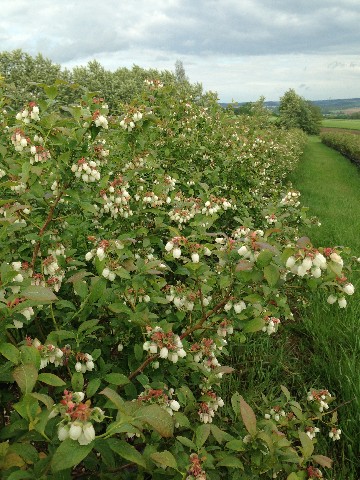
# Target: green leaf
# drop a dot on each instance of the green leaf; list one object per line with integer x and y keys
{"x": 107, "y": 455}
{"x": 50, "y": 91}
{"x": 187, "y": 442}
{"x": 10, "y": 352}
{"x": 285, "y": 392}
{"x": 69, "y": 454}
{"x": 77, "y": 381}
{"x": 219, "y": 435}
{"x": 93, "y": 387}
{"x": 158, "y": 418}
{"x": 88, "y": 325}
{"x": 45, "y": 399}
{"x": 264, "y": 258}
{"x": 254, "y": 325}
{"x": 81, "y": 288}
{"x": 235, "y": 403}
{"x": 30, "y": 354}
{"x": 20, "y": 475}
{"x": 248, "y": 417}
{"x": 51, "y": 379}
{"x": 113, "y": 397}
{"x": 119, "y": 308}
{"x": 116, "y": 379}
{"x": 126, "y": 451}
{"x": 236, "y": 445}
{"x": 25, "y": 376}
{"x": 165, "y": 458}
{"x": 231, "y": 462}
{"x": 26, "y": 451}
{"x": 271, "y": 274}
{"x": 202, "y": 433}
{"x": 307, "y": 445}
{"x": 295, "y": 476}
{"x": 39, "y": 294}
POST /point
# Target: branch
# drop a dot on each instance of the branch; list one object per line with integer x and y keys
{"x": 44, "y": 227}
{"x": 199, "y": 325}
{"x": 142, "y": 366}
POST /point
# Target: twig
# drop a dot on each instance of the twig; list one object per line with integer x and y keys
{"x": 44, "y": 227}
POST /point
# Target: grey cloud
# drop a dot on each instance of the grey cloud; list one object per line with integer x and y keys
{"x": 184, "y": 27}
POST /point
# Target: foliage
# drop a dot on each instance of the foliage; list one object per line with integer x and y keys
{"x": 25, "y": 76}
{"x": 128, "y": 260}
{"x": 348, "y": 144}
{"x": 296, "y": 112}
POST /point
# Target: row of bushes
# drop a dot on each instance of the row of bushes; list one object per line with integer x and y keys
{"x": 134, "y": 248}
{"x": 348, "y": 144}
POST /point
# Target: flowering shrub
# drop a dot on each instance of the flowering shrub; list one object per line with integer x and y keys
{"x": 130, "y": 260}
{"x": 347, "y": 143}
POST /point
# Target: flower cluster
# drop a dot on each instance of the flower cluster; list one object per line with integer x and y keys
{"x": 205, "y": 351}
{"x": 86, "y": 170}
{"x": 116, "y": 199}
{"x": 49, "y": 353}
{"x": 314, "y": 472}
{"x": 30, "y": 112}
{"x": 276, "y": 412}
{"x": 153, "y": 83}
{"x": 55, "y": 272}
{"x": 208, "y": 407}
{"x": 312, "y": 431}
{"x": 321, "y": 398}
{"x": 162, "y": 397}
{"x": 196, "y": 471}
{"x": 19, "y": 140}
{"x": 40, "y": 154}
{"x": 174, "y": 245}
{"x": 167, "y": 345}
{"x": 291, "y": 198}
{"x": 225, "y": 328}
{"x": 100, "y": 120}
{"x": 237, "y": 306}
{"x": 129, "y": 121}
{"x": 271, "y": 325}
{"x": 335, "y": 433}
{"x": 84, "y": 362}
{"x": 76, "y": 418}
{"x": 307, "y": 262}
{"x": 182, "y": 297}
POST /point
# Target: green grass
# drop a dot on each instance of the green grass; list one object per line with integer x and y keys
{"x": 330, "y": 187}
{"x": 341, "y": 123}
{"x": 321, "y": 349}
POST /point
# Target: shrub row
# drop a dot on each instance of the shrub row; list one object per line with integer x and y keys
{"x": 348, "y": 144}
{"x": 134, "y": 247}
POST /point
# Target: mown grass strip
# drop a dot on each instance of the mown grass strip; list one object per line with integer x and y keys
{"x": 330, "y": 187}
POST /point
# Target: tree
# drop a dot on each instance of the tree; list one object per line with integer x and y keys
{"x": 180, "y": 74}
{"x": 296, "y": 112}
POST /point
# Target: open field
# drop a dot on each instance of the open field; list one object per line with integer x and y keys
{"x": 341, "y": 123}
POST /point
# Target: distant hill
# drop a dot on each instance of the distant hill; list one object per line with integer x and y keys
{"x": 327, "y": 106}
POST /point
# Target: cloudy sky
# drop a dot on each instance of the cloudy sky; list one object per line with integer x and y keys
{"x": 242, "y": 49}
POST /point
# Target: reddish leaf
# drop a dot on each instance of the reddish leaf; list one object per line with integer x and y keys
{"x": 323, "y": 461}
{"x": 248, "y": 416}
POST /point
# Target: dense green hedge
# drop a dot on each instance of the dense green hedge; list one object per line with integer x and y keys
{"x": 348, "y": 144}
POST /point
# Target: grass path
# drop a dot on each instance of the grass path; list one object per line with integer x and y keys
{"x": 330, "y": 187}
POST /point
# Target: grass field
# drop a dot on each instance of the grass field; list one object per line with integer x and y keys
{"x": 341, "y": 123}
{"x": 321, "y": 349}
